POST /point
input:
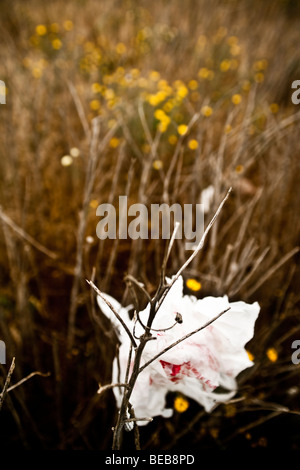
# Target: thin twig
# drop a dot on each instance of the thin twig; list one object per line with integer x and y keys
{"x": 129, "y": 420}
{"x": 135, "y": 428}
{"x": 172, "y": 345}
{"x": 252, "y": 425}
{"x": 198, "y": 248}
{"x": 103, "y": 388}
{"x": 114, "y": 311}
{"x": 168, "y": 251}
{"x": 134, "y": 281}
{"x": 42, "y": 374}
{"x": 122, "y": 218}
{"x": 26, "y": 236}
{"x": 7, "y": 382}
{"x": 80, "y": 110}
{"x": 88, "y": 186}
{"x": 271, "y": 271}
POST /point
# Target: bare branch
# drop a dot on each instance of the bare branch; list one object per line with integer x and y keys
{"x": 79, "y": 109}
{"x": 172, "y": 345}
{"x": 42, "y": 374}
{"x": 271, "y": 271}
{"x": 194, "y": 254}
{"x": 114, "y": 311}
{"x": 168, "y": 251}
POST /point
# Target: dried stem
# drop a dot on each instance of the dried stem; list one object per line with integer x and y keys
{"x": 114, "y": 311}
{"x": 130, "y": 278}
{"x": 198, "y": 248}
{"x": 7, "y": 382}
{"x": 38, "y": 246}
{"x": 172, "y": 345}
{"x": 103, "y": 388}
{"x": 29, "y": 376}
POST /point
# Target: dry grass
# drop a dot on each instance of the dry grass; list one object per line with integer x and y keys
{"x": 92, "y": 81}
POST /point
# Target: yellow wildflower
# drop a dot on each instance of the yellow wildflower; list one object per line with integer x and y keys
{"x": 37, "y": 72}
{"x": 181, "y": 404}
{"x": 225, "y": 65}
{"x": 154, "y": 76}
{"x": 182, "y": 91}
{"x": 259, "y": 77}
{"x": 232, "y": 40}
{"x": 192, "y": 284}
{"x": 164, "y": 124}
{"x": 272, "y": 354}
{"x": 159, "y": 114}
{"x": 68, "y": 25}
{"x": 206, "y": 111}
{"x": 168, "y": 106}
{"x": 182, "y": 129}
{"x": 135, "y": 73}
{"x": 56, "y": 44}
{"x": 236, "y": 98}
{"x": 246, "y": 85}
{"x": 193, "y": 144}
{"x": 157, "y": 164}
{"x": 172, "y": 139}
{"x": 96, "y": 88}
{"x": 120, "y": 48}
{"x": 239, "y": 169}
{"x": 203, "y": 72}
{"x": 114, "y": 142}
{"x": 94, "y": 203}
{"x": 193, "y": 84}
{"x": 95, "y": 105}
{"x": 260, "y": 65}
{"x": 250, "y": 356}
{"x": 228, "y": 129}
{"x": 41, "y": 30}
{"x": 155, "y": 99}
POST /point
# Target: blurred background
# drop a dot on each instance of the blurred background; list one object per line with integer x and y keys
{"x": 157, "y": 101}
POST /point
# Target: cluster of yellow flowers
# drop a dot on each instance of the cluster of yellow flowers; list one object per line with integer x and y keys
{"x": 110, "y": 82}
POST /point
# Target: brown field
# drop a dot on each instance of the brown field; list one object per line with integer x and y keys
{"x": 155, "y": 100}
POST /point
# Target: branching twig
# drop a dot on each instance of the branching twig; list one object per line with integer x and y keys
{"x": 194, "y": 254}
{"x": 172, "y": 345}
{"x": 114, "y": 311}
{"x": 134, "y": 281}
{"x": 42, "y": 374}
